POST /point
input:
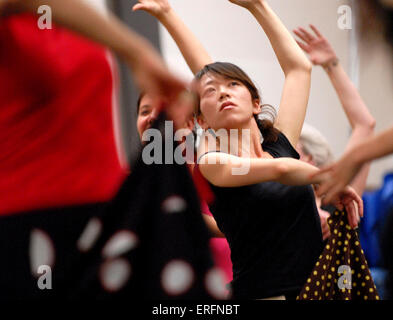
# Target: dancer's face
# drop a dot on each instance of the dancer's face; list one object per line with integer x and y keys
{"x": 146, "y": 115}
{"x": 225, "y": 103}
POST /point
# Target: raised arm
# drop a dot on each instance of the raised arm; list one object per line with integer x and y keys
{"x": 295, "y": 65}
{"x": 343, "y": 171}
{"x": 148, "y": 68}
{"x": 362, "y": 122}
{"x": 191, "y": 48}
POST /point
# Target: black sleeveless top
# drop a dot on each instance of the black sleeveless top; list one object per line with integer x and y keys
{"x": 273, "y": 230}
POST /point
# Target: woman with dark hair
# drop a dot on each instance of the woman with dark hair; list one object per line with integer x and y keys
{"x": 268, "y": 212}
{"x": 273, "y": 229}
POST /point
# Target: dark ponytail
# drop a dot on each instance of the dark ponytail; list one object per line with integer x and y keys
{"x": 265, "y": 121}
{"x": 268, "y": 131}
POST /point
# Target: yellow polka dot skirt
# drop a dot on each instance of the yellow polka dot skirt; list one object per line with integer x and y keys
{"x": 341, "y": 272}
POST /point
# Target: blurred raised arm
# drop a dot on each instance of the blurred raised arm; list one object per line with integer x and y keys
{"x": 149, "y": 71}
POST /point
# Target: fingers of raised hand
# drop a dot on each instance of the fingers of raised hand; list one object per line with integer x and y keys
{"x": 316, "y": 31}
{"x": 301, "y": 35}
{"x": 307, "y": 35}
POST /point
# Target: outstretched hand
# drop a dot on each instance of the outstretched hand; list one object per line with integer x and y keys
{"x": 316, "y": 46}
{"x": 154, "y": 7}
{"x": 353, "y": 204}
{"x": 335, "y": 190}
{"x": 340, "y": 174}
{"x": 166, "y": 90}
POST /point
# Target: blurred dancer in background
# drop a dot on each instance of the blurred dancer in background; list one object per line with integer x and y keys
{"x": 60, "y": 163}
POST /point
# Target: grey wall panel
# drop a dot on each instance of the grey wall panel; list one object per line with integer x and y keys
{"x": 146, "y": 26}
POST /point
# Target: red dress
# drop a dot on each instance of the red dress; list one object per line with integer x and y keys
{"x": 57, "y": 136}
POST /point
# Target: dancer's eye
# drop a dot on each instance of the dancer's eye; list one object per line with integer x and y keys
{"x": 209, "y": 90}
{"x": 145, "y": 112}
{"x": 234, "y": 83}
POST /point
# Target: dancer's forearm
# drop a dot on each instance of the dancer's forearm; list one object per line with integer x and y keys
{"x": 219, "y": 169}
{"x": 353, "y": 104}
{"x": 191, "y": 48}
{"x": 374, "y": 148}
{"x": 358, "y": 115}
